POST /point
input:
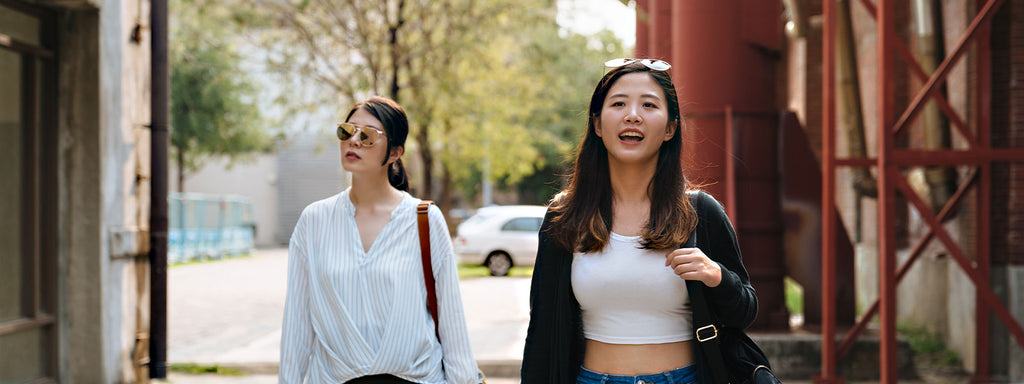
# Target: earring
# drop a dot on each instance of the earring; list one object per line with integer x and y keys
{"x": 394, "y": 167}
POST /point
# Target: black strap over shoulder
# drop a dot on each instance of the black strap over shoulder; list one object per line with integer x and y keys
{"x": 705, "y": 330}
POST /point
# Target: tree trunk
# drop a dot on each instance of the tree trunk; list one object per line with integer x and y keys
{"x": 395, "y": 52}
{"x": 427, "y": 155}
{"x": 446, "y": 191}
{"x": 181, "y": 171}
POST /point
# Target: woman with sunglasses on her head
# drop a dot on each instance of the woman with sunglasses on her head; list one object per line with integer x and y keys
{"x": 356, "y": 306}
{"x": 609, "y": 302}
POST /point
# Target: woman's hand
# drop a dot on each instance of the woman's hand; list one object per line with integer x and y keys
{"x": 693, "y": 264}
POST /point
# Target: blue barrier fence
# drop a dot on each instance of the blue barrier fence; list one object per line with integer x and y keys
{"x": 202, "y": 226}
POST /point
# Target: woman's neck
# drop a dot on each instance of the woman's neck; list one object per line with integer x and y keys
{"x": 630, "y": 183}
{"x": 631, "y": 203}
{"x": 373, "y": 193}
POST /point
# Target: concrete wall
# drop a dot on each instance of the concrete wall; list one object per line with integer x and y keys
{"x": 103, "y": 191}
{"x": 309, "y": 167}
{"x": 255, "y": 179}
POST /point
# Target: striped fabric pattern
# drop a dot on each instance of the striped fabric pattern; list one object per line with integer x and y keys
{"x": 350, "y": 313}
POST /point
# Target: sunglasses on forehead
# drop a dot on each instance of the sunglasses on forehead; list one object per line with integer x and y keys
{"x": 654, "y": 64}
{"x": 368, "y": 136}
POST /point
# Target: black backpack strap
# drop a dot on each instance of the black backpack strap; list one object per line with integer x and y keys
{"x": 705, "y": 330}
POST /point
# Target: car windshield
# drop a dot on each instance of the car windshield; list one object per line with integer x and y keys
{"x": 523, "y": 224}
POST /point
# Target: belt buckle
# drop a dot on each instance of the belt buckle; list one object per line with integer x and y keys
{"x": 713, "y": 335}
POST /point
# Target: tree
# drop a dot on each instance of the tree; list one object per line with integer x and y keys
{"x": 493, "y": 88}
{"x": 213, "y": 108}
{"x": 410, "y": 50}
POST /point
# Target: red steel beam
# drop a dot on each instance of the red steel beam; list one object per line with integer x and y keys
{"x": 886, "y": 196}
{"x": 984, "y": 108}
{"x": 915, "y": 253}
{"x": 829, "y": 374}
{"x": 956, "y": 157}
{"x": 888, "y": 162}
{"x": 947, "y": 64}
{"x": 730, "y": 166}
{"x": 916, "y": 69}
{"x": 984, "y": 292}
{"x": 920, "y": 158}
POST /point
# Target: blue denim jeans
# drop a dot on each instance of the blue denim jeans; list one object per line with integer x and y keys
{"x": 684, "y": 375}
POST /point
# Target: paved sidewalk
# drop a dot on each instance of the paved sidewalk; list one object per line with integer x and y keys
{"x": 229, "y": 312}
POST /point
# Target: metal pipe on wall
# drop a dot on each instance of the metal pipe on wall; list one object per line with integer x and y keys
{"x": 850, "y": 111}
{"x": 939, "y": 181}
{"x": 159, "y": 137}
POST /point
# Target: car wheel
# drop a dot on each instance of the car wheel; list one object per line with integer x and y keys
{"x": 499, "y": 263}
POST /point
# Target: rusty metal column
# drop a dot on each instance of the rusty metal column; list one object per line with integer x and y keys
{"x": 641, "y": 47}
{"x": 983, "y": 261}
{"x": 160, "y": 106}
{"x": 886, "y": 195}
{"x": 659, "y": 30}
{"x": 829, "y": 374}
{"x": 724, "y": 54}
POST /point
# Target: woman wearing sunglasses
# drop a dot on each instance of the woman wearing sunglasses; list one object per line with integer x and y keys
{"x": 609, "y": 302}
{"x": 356, "y": 305}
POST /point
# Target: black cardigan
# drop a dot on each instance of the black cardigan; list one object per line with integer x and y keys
{"x": 554, "y": 340}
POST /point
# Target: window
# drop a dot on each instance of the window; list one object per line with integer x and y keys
{"x": 523, "y": 224}
{"x": 27, "y": 203}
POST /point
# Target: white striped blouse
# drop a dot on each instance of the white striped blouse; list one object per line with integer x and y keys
{"x": 351, "y": 313}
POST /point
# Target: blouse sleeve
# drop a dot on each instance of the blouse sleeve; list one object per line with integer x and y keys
{"x": 733, "y": 300}
{"x": 297, "y": 330}
{"x": 459, "y": 364}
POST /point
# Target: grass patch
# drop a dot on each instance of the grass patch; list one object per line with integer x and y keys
{"x": 470, "y": 270}
{"x": 928, "y": 345}
{"x": 794, "y": 297}
{"x": 203, "y": 260}
{"x": 196, "y": 369}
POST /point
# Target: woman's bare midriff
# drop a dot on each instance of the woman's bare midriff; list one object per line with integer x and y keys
{"x": 637, "y": 359}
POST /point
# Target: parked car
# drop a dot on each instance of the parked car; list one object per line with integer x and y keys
{"x": 500, "y": 237}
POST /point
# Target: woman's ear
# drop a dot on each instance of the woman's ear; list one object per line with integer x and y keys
{"x": 670, "y": 130}
{"x": 597, "y": 126}
{"x": 396, "y": 153}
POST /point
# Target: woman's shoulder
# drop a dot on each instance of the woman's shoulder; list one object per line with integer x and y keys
{"x": 323, "y": 206}
{"x": 413, "y": 203}
{"x": 700, "y": 199}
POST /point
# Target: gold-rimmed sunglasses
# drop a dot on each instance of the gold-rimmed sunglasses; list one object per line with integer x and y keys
{"x": 655, "y": 64}
{"x": 368, "y": 135}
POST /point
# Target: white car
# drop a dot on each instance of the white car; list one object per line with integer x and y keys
{"x": 500, "y": 237}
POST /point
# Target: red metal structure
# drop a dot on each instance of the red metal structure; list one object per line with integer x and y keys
{"x": 889, "y": 163}
{"x": 724, "y": 56}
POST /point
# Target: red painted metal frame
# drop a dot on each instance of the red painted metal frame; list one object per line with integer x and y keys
{"x": 886, "y": 205}
{"x": 984, "y": 108}
{"x": 889, "y": 161}
{"x": 730, "y": 166}
{"x": 829, "y": 373}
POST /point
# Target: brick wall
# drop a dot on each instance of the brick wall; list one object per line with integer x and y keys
{"x": 1007, "y": 44}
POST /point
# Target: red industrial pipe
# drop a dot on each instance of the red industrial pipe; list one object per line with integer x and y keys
{"x": 723, "y": 56}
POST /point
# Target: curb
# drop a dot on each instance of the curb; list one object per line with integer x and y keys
{"x": 504, "y": 368}
{"x": 507, "y": 368}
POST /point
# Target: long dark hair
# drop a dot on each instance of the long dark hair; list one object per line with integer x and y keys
{"x": 583, "y": 211}
{"x": 396, "y": 126}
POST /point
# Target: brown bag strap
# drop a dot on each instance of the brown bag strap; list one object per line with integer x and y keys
{"x": 428, "y": 270}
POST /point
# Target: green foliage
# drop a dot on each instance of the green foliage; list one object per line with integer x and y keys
{"x": 198, "y": 369}
{"x": 471, "y": 271}
{"x": 493, "y": 88}
{"x": 204, "y": 260}
{"x": 213, "y": 103}
{"x": 794, "y": 297}
{"x": 928, "y": 345}
{"x": 520, "y": 106}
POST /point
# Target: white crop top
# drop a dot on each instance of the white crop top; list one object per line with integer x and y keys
{"x": 628, "y": 295}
